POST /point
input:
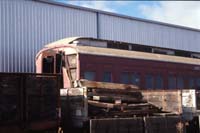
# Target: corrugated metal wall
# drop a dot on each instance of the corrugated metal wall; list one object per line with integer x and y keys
{"x": 27, "y": 25}
{"x": 133, "y": 31}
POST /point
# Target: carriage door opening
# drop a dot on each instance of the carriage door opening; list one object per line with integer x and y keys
{"x": 52, "y": 63}
{"x": 48, "y": 64}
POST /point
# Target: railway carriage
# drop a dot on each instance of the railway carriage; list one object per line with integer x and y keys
{"x": 118, "y": 62}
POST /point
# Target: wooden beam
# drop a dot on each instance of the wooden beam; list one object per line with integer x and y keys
{"x": 105, "y": 85}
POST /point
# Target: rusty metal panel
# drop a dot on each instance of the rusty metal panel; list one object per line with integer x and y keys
{"x": 189, "y": 100}
{"x": 198, "y": 100}
{"x": 10, "y": 106}
{"x": 168, "y": 100}
{"x": 41, "y": 97}
{"x": 76, "y": 105}
{"x": 29, "y": 101}
{"x": 11, "y": 129}
{"x": 168, "y": 124}
{"x": 117, "y": 125}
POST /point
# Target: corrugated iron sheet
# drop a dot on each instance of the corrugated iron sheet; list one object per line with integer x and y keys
{"x": 151, "y": 34}
{"x": 26, "y": 26}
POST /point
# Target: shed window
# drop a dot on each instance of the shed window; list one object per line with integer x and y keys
{"x": 89, "y": 75}
{"x": 107, "y": 77}
{"x": 172, "y": 82}
{"x": 149, "y": 81}
{"x": 135, "y": 79}
{"x": 125, "y": 78}
{"x": 159, "y": 82}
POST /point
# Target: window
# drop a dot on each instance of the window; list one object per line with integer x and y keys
{"x": 141, "y": 48}
{"x": 180, "y": 83}
{"x": 149, "y": 81}
{"x": 107, "y": 77}
{"x": 191, "y": 83}
{"x": 198, "y": 83}
{"x": 72, "y": 60}
{"x": 162, "y": 51}
{"x": 171, "y": 82}
{"x": 159, "y": 82}
{"x": 135, "y": 79}
{"x": 89, "y": 75}
{"x": 125, "y": 78}
{"x": 118, "y": 45}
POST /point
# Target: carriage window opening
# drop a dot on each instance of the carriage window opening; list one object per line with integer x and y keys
{"x": 135, "y": 79}
{"x": 107, "y": 77}
{"x": 89, "y": 75}
{"x": 72, "y": 60}
{"x": 159, "y": 82}
{"x": 198, "y": 83}
{"x": 48, "y": 64}
{"x": 171, "y": 82}
{"x": 149, "y": 81}
{"x": 191, "y": 83}
{"x": 180, "y": 83}
{"x": 125, "y": 78}
{"x": 117, "y": 45}
{"x": 73, "y": 74}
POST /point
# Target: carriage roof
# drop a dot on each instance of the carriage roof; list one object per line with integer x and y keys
{"x": 103, "y": 51}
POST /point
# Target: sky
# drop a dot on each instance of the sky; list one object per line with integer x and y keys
{"x": 185, "y": 13}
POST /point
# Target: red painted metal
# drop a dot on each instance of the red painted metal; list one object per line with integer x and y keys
{"x": 117, "y": 65}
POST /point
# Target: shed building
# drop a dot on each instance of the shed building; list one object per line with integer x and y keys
{"x": 26, "y": 26}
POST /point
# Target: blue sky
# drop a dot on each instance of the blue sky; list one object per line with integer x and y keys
{"x": 185, "y": 13}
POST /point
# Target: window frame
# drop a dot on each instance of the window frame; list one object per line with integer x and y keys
{"x": 103, "y": 76}
{"x": 94, "y": 76}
